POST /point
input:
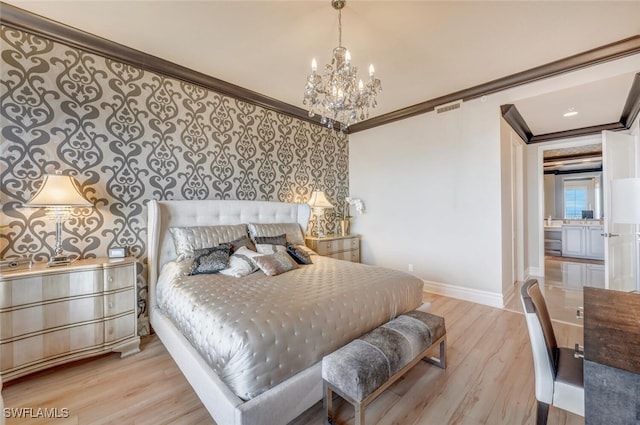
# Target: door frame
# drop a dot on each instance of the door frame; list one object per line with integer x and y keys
{"x": 542, "y": 147}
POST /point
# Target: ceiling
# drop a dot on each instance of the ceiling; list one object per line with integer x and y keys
{"x": 575, "y": 159}
{"x": 421, "y": 49}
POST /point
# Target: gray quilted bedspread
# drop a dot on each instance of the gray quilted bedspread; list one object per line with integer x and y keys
{"x": 257, "y": 331}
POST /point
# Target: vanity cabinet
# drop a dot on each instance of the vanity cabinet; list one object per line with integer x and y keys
{"x": 53, "y": 315}
{"x": 583, "y": 241}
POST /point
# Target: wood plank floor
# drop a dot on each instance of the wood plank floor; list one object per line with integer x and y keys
{"x": 489, "y": 380}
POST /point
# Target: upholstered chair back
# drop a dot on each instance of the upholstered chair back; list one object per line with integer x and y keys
{"x": 543, "y": 340}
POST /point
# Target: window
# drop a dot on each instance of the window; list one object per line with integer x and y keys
{"x": 575, "y": 201}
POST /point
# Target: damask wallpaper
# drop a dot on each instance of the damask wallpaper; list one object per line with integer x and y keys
{"x": 129, "y": 135}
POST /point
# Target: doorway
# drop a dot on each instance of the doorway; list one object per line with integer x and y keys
{"x": 571, "y": 254}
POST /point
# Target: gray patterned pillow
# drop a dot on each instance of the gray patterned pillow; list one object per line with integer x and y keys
{"x": 210, "y": 260}
{"x": 300, "y": 255}
{"x": 243, "y": 241}
{"x": 271, "y": 240}
{"x": 292, "y": 230}
{"x": 275, "y": 264}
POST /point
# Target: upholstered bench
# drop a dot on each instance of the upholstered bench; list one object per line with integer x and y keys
{"x": 364, "y": 368}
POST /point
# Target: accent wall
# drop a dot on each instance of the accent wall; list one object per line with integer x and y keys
{"x": 129, "y": 135}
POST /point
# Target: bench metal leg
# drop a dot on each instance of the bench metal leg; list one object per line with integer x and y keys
{"x": 442, "y": 361}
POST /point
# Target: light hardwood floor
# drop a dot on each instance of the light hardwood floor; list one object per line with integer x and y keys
{"x": 488, "y": 380}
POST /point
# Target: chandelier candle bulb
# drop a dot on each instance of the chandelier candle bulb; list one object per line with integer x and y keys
{"x": 371, "y": 70}
{"x": 314, "y": 65}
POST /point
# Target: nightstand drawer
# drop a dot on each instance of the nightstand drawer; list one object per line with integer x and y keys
{"x": 119, "y": 302}
{"x": 119, "y": 277}
{"x": 326, "y": 247}
{"x": 49, "y": 346}
{"x": 38, "y": 288}
{"x": 17, "y": 322}
{"x": 119, "y": 328}
{"x": 353, "y": 256}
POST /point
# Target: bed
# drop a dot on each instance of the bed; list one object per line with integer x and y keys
{"x": 307, "y": 307}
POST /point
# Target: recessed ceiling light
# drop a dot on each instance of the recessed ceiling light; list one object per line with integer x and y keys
{"x": 570, "y": 113}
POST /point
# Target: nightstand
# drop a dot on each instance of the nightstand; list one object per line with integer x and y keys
{"x": 54, "y": 315}
{"x": 335, "y": 246}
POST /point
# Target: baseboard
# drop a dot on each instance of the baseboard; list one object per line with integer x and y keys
{"x": 509, "y": 294}
{"x": 534, "y": 271}
{"x": 492, "y": 299}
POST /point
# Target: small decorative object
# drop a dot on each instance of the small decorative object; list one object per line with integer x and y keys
{"x": 318, "y": 203}
{"x": 58, "y": 194}
{"x": 344, "y": 220}
{"x": 337, "y": 94}
{"x": 117, "y": 252}
{"x": 16, "y": 263}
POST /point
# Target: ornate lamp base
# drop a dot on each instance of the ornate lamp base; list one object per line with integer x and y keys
{"x": 58, "y": 260}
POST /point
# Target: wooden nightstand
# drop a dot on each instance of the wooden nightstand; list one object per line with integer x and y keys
{"x": 335, "y": 246}
{"x": 53, "y": 315}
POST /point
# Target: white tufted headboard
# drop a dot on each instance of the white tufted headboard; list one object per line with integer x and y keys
{"x": 165, "y": 214}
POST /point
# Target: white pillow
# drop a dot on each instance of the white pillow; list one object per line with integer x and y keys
{"x": 241, "y": 263}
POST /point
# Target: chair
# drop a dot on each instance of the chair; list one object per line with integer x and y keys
{"x": 559, "y": 375}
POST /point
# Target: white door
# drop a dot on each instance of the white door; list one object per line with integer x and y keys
{"x": 618, "y": 155}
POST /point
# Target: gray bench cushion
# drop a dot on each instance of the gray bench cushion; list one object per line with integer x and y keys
{"x": 366, "y": 363}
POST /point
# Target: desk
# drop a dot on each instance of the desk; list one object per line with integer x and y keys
{"x": 612, "y": 357}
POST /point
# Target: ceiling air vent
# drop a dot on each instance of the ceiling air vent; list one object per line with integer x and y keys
{"x": 448, "y": 107}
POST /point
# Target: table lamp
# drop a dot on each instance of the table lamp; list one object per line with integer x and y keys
{"x": 58, "y": 194}
{"x": 318, "y": 203}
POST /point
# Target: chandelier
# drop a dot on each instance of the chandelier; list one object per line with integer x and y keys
{"x": 337, "y": 95}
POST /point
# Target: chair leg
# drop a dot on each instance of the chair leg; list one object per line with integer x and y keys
{"x": 542, "y": 412}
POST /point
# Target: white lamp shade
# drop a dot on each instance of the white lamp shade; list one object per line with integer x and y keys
{"x": 319, "y": 200}
{"x": 625, "y": 201}
{"x": 58, "y": 190}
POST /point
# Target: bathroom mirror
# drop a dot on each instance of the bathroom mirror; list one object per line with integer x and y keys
{"x": 576, "y": 196}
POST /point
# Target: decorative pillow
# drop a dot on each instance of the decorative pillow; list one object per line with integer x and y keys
{"x": 306, "y": 249}
{"x": 292, "y": 230}
{"x": 298, "y": 254}
{"x": 272, "y": 240}
{"x": 241, "y": 263}
{"x": 270, "y": 249}
{"x": 210, "y": 260}
{"x": 188, "y": 239}
{"x": 275, "y": 264}
{"x": 243, "y": 241}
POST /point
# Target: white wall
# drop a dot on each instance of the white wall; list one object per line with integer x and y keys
{"x": 432, "y": 189}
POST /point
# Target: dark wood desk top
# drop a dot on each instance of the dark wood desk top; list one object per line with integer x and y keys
{"x": 612, "y": 328}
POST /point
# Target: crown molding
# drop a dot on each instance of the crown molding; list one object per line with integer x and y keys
{"x": 26, "y": 21}
{"x": 632, "y": 105}
{"x": 23, "y": 20}
{"x": 609, "y": 52}
{"x": 630, "y": 111}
